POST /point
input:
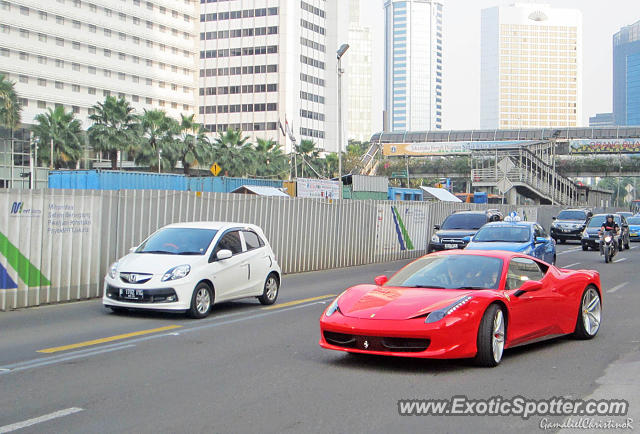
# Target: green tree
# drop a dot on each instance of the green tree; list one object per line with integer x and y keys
{"x": 10, "y": 107}
{"x": 308, "y": 155}
{"x": 234, "y": 153}
{"x": 65, "y": 131}
{"x": 270, "y": 161}
{"x": 192, "y": 147}
{"x": 158, "y": 140}
{"x": 114, "y": 128}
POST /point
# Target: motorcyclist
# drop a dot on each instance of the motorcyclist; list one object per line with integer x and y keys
{"x": 609, "y": 225}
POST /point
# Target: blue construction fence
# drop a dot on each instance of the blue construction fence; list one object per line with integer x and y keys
{"x": 124, "y": 180}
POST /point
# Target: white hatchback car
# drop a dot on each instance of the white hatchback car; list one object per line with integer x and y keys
{"x": 190, "y": 266}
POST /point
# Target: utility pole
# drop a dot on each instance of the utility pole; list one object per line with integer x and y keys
{"x": 51, "y": 155}
{"x": 343, "y": 49}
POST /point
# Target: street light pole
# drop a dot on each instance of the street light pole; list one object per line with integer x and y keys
{"x": 343, "y": 49}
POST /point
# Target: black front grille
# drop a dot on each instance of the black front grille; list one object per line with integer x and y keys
{"x": 159, "y": 295}
{"x": 377, "y": 343}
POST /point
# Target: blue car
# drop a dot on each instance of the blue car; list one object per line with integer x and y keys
{"x": 634, "y": 228}
{"x": 515, "y": 236}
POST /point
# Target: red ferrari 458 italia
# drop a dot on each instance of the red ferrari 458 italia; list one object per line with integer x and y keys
{"x": 464, "y": 304}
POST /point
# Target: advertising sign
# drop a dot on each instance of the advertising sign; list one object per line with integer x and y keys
{"x": 318, "y": 188}
{"x": 445, "y": 148}
{"x": 604, "y": 146}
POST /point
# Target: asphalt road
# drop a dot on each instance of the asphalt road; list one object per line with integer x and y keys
{"x": 247, "y": 368}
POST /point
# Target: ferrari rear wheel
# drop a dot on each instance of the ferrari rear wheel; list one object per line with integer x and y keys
{"x": 589, "y": 315}
{"x": 491, "y": 337}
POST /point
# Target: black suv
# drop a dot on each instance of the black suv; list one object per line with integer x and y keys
{"x": 569, "y": 224}
{"x": 457, "y": 226}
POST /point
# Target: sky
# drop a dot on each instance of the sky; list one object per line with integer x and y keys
{"x": 461, "y": 45}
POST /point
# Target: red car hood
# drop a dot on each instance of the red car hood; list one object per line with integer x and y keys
{"x": 383, "y": 302}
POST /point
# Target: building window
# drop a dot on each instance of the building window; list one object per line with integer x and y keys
{"x": 75, "y": 88}
{"x": 42, "y": 82}
{"x": 23, "y": 79}
{"x": 42, "y": 104}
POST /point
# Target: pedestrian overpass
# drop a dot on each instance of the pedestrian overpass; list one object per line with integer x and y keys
{"x": 511, "y": 161}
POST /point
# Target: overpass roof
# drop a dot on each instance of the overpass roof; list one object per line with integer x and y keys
{"x": 626, "y": 132}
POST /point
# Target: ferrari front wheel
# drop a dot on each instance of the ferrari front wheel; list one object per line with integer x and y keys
{"x": 589, "y": 315}
{"x": 491, "y": 337}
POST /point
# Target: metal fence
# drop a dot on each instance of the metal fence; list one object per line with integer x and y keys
{"x": 56, "y": 245}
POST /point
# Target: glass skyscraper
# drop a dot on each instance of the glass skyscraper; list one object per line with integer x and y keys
{"x": 413, "y": 65}
{"x": 626, "y": 75}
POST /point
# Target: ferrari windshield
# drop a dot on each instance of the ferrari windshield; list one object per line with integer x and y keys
{"x": 597, "y": 220}
{"x": 178, "y": 241}
{"x": 450, "y": 272}
{"x": 506, "y": 234}
{"x": 464, "y": 221}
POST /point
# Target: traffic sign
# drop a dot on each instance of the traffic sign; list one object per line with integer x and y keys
{"x": 402, "y": 174}
{"x": 504, "y": 185}
{"x": 215, "y": 169}
{"x": 506, "y": 165}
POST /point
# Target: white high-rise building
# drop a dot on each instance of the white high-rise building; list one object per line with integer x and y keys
{"x": 75, "y": 52}
{"x": 359, "y": 75}
{"x": 269, "y": 62}
{"x": 531, "y": 69}
{"x": 413, "y": 65}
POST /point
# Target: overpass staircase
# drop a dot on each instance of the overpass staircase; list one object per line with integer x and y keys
{"x": 529, "y": 169}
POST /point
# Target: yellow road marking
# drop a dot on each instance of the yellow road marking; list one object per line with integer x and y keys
{"x": 108, "y": 339}
{"x": 294, "y": 302}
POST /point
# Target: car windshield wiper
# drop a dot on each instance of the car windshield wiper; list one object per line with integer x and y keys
{"x": 470, "y": 287}
{"x": 159, "y": 252}
{"x": 425, "y": 286}
{"x": 191, "y": 253}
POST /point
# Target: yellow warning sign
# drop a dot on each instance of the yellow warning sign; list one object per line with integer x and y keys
{"x": 215, "y": 169}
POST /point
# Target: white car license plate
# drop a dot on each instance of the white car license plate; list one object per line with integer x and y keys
{"x": 450, "y": 246}
{"x": 131, "y": 294}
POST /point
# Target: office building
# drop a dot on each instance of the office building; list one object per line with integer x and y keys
{"x": 626, "y": 75}
{"x": 413, "y": 65}
{"x": 531, "y": 67}
{"x": 359, "y": 75}
{"x": 266, "y": 63}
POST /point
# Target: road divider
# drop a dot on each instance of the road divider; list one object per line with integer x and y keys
{"x": 296, "y": 302}
{"x": 107, "y": 339}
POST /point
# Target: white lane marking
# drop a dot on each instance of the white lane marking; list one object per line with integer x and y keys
{"x": 36, "y": 420}
{"x": 37, "y": 363}
{"x": 620, "y": 260}
{"x": 615, "y": 288}
{"x": 571, "y": 265}
{"x": 634, "y": 247}
{"x": 569, "y": 251}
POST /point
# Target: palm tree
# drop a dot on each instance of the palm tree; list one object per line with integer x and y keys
{"x": 269, "y": 158}
{"x": 309, "y": 156}
{"x": 158, "y": 133}
{"x": 65, "y": 131}
{"x": 192, "y": 147}
{"x": 9, "y": 105}
{"x": 114, "y": 128}
{"x": 234, "y": 154}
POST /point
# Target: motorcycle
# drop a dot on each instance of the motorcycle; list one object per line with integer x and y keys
{"x": 608, "y": 246}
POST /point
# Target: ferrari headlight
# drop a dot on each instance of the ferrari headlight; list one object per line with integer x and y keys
{"x": 435, "y": 239}
{"x": 176, "y": 272}
{"x": 333, "y": 307}
{"x": 113, "y": 270}
{"x": 437, "y": 315}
